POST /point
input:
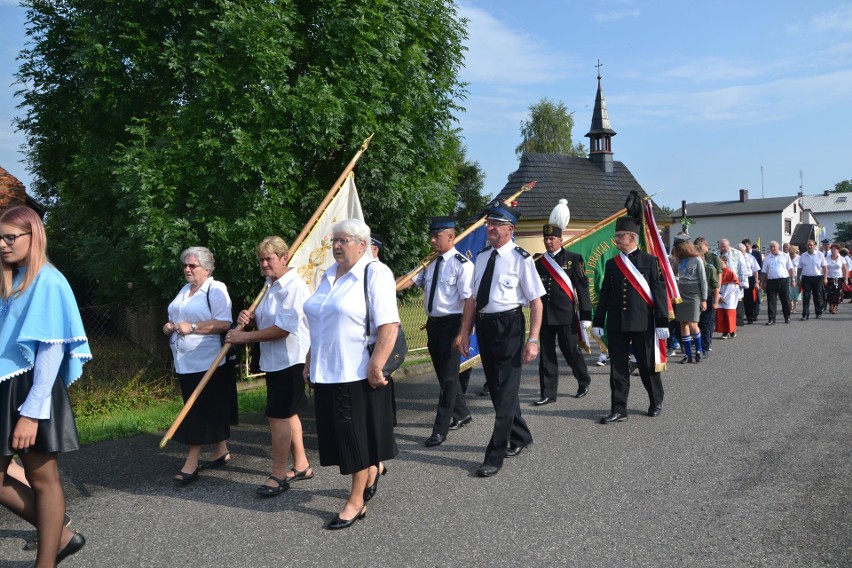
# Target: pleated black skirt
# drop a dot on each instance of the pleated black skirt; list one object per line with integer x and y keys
{"x": 354, "y": 425}
{"x": 210, "y": 418}
{"x": 55, "y": 434}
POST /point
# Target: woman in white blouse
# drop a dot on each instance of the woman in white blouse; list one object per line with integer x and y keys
{"x": 198, "y": 316}
{"x": 282, "y": 331}
{"x": 837, "y": 274}
{"x": 353, "y": 406}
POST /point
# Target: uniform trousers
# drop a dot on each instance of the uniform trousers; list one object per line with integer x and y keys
{"x": 440, "y": 334}
{"x": 778, "y": 288}
{"x": 707, "y": 324}
{"x": 750, "y": 300}
{"x": 619, "y": 375}
{"x": 501, "y": 343}
{"x": 548, "y": 371}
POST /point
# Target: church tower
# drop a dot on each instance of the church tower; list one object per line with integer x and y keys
{"x": 601, "y": 133}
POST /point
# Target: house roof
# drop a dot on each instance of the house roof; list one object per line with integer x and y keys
{"x": 592, "y": 194}
{"x": 831, "y": 203}
{"x": 749, "y": 207}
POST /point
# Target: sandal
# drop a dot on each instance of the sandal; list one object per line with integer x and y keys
{"x": 183, "y": 478}
{"x": 267, "y": 491}
{"x": 218, "y": 462}
{"x": 300, "y": 475}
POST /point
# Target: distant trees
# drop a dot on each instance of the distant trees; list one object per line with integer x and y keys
{"x": 548, "y": 130}
{"x": 843, "y": 232}
{"x": 844, "y": 186}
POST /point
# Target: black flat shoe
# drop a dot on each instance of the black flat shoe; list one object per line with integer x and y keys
{"x": 457, "y": 424}
{"x": 338, "y": 523}
{"x": 300, "y": 475}
{"x": 183, "y": 478}
{"x": 218, "y": 462}
{"x": 74, "y": 545}
{"x": 614, "y": 417}
{"x": 487, "y": 471}
{"x": 267, "y": 491}
{"x": 581, "y": 392}
{"x": 544, "y": 400}
{"x": 435, "y": 440}
{"x": 513, "y": 451}
{"x": 654, "y": 410}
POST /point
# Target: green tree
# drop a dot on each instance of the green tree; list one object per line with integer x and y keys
{"x": 548, "y": 131}
{"x": 470, "y": 182}
{"x": 153, "y": 126}
{"x": 844, "y": 186}
{"x": 843, "y": 232}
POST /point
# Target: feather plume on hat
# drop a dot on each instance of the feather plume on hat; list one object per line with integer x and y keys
{"x": 560, "y": 215}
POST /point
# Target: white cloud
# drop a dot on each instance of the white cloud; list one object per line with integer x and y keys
{"x": 839, "y": 19}
{"x": 497, "y": 54}
{"x": 614, "y": 15}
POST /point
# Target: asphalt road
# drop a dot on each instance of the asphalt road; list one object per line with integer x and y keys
{"x": 748, "y": 465}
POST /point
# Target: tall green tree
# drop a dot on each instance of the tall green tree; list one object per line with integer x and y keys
{"x": 469, "y": 185}
{"x": 153, "y": 126}
{"x": 843, "y": 232}
{"x": 547, "y": 130}
{"x": 844, "y": 186}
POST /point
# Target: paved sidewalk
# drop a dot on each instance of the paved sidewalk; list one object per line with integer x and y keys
{"x": 748, "y": 465}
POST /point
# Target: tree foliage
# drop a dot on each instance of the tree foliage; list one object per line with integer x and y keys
{"x": 153, "y": 126}
{"x": 470, "y": 182}
{"x": 843, "y": 232}
{"x": 844, "y": 186}
{"x": 548, "y": 131}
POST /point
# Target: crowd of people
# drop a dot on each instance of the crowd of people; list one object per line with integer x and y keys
{"x": 339, "y": 338}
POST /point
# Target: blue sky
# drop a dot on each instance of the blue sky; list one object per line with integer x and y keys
{"x": 701, "y": 94}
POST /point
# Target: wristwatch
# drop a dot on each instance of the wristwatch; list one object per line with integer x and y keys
{"x": 194, "y": 328}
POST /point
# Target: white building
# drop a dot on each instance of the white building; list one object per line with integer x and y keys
{"x": 830, "y": 209}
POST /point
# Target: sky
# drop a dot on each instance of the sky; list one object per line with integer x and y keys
{"x": 707, "y": 98}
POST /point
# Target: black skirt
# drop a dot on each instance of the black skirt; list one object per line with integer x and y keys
{"x": 285, "y": 391}
{"x": 55, "y": 434}
{"x": 354, "y": 425}
{"x": 210, "y": 418}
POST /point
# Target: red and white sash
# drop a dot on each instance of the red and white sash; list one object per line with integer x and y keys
{"x": 558, "y": 274}
{"x": 641, "y": 286}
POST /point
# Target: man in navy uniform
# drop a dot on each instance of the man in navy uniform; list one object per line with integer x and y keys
{"x": 448, "y": 282}
{"x": 565, "y": 308}
{"x": 505, "y": 279}
{"x": 633, "y": 305}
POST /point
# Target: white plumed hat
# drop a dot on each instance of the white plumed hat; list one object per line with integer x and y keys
{"x": 560, "y": 215}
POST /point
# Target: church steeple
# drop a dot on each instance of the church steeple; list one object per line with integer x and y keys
{"x": 601, "y": 133}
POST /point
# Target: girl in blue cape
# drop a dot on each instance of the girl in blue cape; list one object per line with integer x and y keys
{"x": 43, "y": 348}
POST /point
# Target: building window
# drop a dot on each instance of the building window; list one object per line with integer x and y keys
{"x": 788, "y": 226}
{"x": 794, "y": 208}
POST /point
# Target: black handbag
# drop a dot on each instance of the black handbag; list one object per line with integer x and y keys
{"x": 400, "y": 348}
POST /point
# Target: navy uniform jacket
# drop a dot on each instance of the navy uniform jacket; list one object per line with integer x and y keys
{"x": 621, "y": 306}
{"x": 558, "y": 309}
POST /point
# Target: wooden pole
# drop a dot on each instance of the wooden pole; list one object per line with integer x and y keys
{"x": 294, "y": 246}
{"x": 577, "y": 238}
{"x": 425, "y": 262}
{"x": 206, "y": 378}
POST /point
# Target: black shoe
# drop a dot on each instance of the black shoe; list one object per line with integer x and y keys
{"x": 614, "y": 417}
{"x": 686, "y": 360}
{"x": 733, "y": 334}
{"x": 370, "y": 491}
{"x": 435, "y": 440}
{"x": 267, "y": 491}
{"x": 456, "y": 424}
{"x": 581, "y": 392}
{"x": 632, "y": 367}
{"x": 704, "y": 354}
{"x": 338, "y": 523}
{"x": 770, "y": 322}
{"x": 183, "y": 478}
{"x": 805, "y": 317}
{"x": 74, "y": 545}
{"x": 786, "y": 320}
{"x": 697, "y": 356}
{"x": 218, "y": 462}
{"x": 654, "y": 410}
{"x": 487, "y": 471}
{"x": 817, "y": 316}
{"x": 513, "y": 451}
{"x": 543, "y": 401}
{"x": 484, "y": 391}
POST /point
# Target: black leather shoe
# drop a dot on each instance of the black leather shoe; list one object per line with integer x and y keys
{"x": 338, "y": 523}
{"x": 435, "y": 440}
{"x": 484, "y": 391}
{"x": 787, "y": 320}
{"x": 654, "y": 410}
{"x": 487, "y": 471}
{"x": 74, "y": 545}
{"x": 543, "y": 401}
{"x": 770, "y": 322}
{"x": 817, "y": 316}
{"x": 456, "y": 424}
{"x": 513, "y": 451}
{"x": 581, "y": 392}
{"x": 614, "y": 417}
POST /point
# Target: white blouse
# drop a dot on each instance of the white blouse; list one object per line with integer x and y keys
{"x": 195, "y": 352}
{"x": 835, "y": 267}
{"x": 283, "y": 307}
{"x": 337, "y": 316}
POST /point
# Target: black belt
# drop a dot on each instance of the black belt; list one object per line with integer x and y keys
{"x": 498, "y": 315}
{"x": 437, "y": 318}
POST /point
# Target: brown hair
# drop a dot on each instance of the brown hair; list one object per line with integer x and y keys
{"x": 684, "y": 250}
{"x": 27, "y": 221}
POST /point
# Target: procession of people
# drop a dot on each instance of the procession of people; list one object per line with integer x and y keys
{"x": 338, "y": 339}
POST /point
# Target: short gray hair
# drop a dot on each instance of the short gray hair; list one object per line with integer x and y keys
{"x": 354, "y": 227}
{"x": 204, "y": 256}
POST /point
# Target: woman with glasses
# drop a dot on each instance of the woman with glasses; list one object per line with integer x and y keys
{"x": 44, "y": 347}
{"x": 353, "y": 404}
{"x": 282, "y": 331}
{"x": 198, "y": 316}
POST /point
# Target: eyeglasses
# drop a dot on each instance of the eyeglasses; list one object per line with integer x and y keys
{"x": 191, "y": 266}
{"x": 342, "y": 241}
{"x": 10, "y": 239}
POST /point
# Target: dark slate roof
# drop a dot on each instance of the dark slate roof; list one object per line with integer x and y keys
{"x": 751, "y": 206}
{"x": 600, "y": 116}
{"x": 592, "y": 194}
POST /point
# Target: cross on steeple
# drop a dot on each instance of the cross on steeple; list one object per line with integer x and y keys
{"x": 599, "y": 65}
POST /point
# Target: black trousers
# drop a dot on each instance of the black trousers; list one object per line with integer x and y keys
{"x": 619, "y": 376}
{"x": 778, "y": 288}
{"x": 707, "y": 324}
{"x": 548, "y": 370}
{"x": 501, "y": 344}
{"x": 749, "y": 301}
{"x": 812, "y": 286}
{"x": 440, "y": 333}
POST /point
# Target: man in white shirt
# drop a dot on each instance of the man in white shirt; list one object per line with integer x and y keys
{"x": 775, "y": 279}
{"x": 738, "y": 265}
{"x": 813, "y": 274}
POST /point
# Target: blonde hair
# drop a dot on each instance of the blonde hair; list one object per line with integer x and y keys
{"x": 27, "y": 221}
{"x": 275, "y": 245}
